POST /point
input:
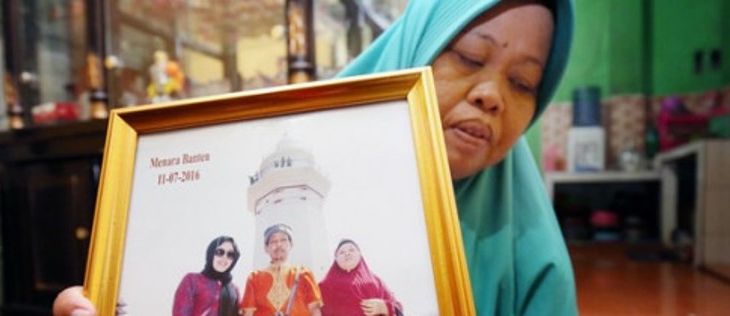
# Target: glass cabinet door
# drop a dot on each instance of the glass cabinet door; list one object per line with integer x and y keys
{"x": 4, "y": 124}
{"x": 45, "y": 58}
{"x": 177, "y": 49}
{"x": 169, "y": 49}
{"x": 141, "y": 52}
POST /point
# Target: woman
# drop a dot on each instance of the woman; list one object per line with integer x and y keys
{"x": 495, "y": 66}
{"x": 210, "y": 292}
{"x": 349, "y": 288}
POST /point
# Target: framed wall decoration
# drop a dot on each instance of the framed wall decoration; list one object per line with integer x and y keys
{"x": 358, "y": 159}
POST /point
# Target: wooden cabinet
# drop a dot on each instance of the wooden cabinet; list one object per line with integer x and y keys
{"x": 696, "y": 181}
{"x": 632, "y": 197}
{"x": 48, "y": 180}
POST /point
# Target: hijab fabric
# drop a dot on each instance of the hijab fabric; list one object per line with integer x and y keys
{"x": 517, "y": 259}
{"x": 228, "y": 300}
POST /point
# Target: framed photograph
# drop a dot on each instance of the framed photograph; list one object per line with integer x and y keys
{"x": 355, "y": 164}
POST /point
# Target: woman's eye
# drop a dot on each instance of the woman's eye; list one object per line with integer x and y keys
{"x": 523, "y": 86}
{"x": 469, "y": 61}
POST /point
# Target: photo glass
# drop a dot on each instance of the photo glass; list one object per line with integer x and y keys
{"x": 355, "y": 159}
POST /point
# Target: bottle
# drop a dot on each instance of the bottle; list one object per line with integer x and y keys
{"x": 651, "y": 135}
{"x": 586, "y": 138}
{"x": 630, "y": 159}
{"x": 586, "y": 148}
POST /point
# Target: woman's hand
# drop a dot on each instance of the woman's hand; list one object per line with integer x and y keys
{"x": 374, "y": 306}
{"x": 72, "y": 302}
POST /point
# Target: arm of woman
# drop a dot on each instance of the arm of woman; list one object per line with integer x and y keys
{"x": 183, "y": 304}
{"x": 391, "y": 302}
{"x": 72, "y": 301}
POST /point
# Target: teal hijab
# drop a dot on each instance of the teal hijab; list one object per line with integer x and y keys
{"x": 517, "y": 259}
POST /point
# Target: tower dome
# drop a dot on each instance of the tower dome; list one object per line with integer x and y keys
{"x": 287, "y": 155}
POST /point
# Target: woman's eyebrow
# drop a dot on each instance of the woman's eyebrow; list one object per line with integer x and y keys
{"x": 526, "y": 58}
{"x": 487, "y": 37}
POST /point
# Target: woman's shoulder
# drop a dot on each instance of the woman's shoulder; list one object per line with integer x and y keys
{"x": 190, "y": 276}
{"x": 192, "y": 280}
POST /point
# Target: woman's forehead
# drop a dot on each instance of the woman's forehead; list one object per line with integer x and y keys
{"x": 348, "y": 245}
{"x": 525, "y": 27}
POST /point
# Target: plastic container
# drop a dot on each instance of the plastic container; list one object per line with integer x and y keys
{"x": 587, "y": 106}
{"x": 604, "y": 219}
{"x": 586, "y": 149}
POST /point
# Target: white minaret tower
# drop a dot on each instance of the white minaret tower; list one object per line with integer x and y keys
{"x": 289, "y": 189}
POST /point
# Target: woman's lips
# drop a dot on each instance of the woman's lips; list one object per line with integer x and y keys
{"x": 471, "y": 135}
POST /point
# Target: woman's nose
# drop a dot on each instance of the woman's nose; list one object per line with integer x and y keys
{"x": 487, "y": 97}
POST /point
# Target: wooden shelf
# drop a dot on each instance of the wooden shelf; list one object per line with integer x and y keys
{"x": 553, "y": 178}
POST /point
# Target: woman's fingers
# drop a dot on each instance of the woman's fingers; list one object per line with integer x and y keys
{"x": 370, "y": 307}
{"x": 380, "y": 307}
{"x": 72, "y": 302}
{"x": 366, "y": 308}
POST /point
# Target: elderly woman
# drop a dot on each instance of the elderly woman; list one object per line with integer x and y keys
{"x": 210, "y": 292}
{"x": 495, "y": 65}
{"x": 350, "y": 288}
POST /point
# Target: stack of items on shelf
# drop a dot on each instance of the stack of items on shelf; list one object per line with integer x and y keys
{"x": 55, "y": 112}
{"x": 635, "y": 128}
{"x": 682, "y": 119}
{"x": 605, "y": 225}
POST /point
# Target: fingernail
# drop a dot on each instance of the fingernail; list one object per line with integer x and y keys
{"x": 81, "y": 312}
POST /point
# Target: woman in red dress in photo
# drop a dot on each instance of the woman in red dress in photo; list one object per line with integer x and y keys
{"x": 350, "y": 288}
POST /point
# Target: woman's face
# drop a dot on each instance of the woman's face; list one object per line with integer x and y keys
{"x": 223, "y": 256}
{"x": 347, "y": 257}
{"x": 487, "y": 81}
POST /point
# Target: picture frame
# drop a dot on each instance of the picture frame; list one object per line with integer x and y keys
{"x": 358, "y": 158}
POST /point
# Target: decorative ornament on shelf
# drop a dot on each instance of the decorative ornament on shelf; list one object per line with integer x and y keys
{"x": 167, "y": 79}
{"x": 300, "y": 41}
{"x": 630, "y": 158}
{"x": 15, "y": 110}
{"x": 97, "y": 95}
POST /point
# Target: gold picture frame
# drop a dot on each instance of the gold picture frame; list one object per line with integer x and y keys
{"x": 175, "y": 173}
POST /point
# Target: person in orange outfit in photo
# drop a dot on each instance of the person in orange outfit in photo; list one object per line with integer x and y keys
{"x": 281, "y": 288}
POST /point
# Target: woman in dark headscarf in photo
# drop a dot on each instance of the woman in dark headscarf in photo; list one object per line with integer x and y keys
{"x": 350, "y": 288}
{"x": 210, "y": 292}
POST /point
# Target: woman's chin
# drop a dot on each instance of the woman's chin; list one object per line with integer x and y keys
{"x": 459, "y": 173}
{"x": 464, "y": 168}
